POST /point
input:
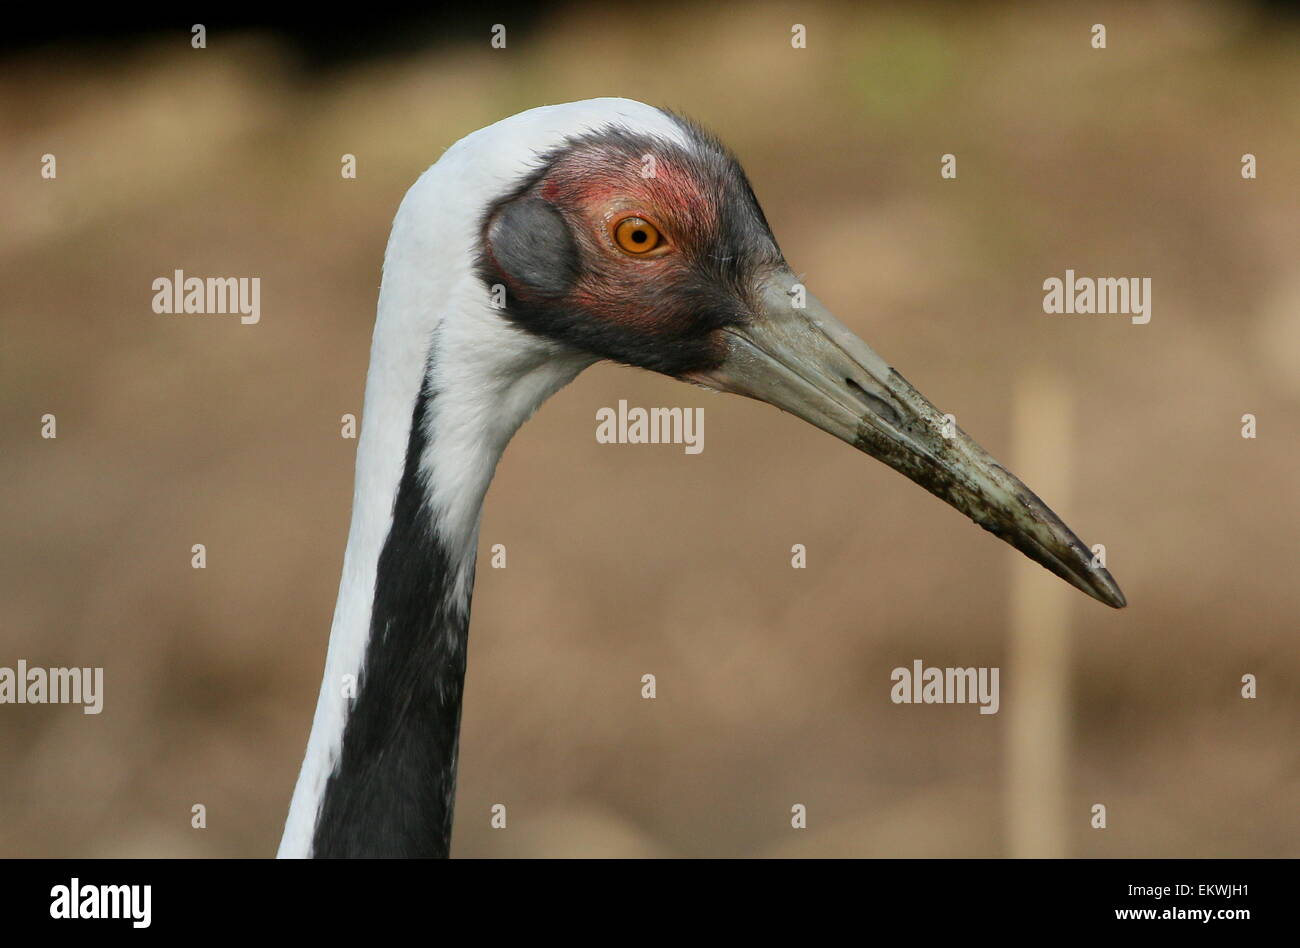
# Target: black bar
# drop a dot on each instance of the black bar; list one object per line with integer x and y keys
{"x": 478, "y": 897}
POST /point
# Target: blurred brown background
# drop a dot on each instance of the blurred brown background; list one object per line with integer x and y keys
{"x": 773, "y": 683}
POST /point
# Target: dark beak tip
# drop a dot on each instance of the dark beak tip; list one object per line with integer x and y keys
{"x": 1108, "y": 591}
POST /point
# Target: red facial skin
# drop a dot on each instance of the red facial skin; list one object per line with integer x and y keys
{"x": 596, "y": 188}
{"x": 553, "y": 246}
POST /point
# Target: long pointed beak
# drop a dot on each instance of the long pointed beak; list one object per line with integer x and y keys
{"x": 805, "y": 361}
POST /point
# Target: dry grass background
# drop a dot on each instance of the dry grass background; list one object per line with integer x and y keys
{"x": 773, "y": 682}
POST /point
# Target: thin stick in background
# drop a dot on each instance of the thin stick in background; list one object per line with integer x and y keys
{"x": 1038, "y": 674}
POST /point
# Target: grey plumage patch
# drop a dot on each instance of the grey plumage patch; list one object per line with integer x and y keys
{"x": 531, "y": 243}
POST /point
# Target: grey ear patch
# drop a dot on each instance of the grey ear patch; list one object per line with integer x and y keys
{"x": 532, "y": 245}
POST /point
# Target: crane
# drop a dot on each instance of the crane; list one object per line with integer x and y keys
{"x": 604, "y": 229}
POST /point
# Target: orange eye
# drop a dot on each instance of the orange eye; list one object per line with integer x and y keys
{"x": 636, "y": 235}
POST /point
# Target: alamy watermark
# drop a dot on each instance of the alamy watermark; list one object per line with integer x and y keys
{"x": 77, "y": 900}
{"x": 684, "y": 426}
{"x": 1102, "y": 296}
{"x": 24, "y": 685}
{"x": 179, "y": 294}
{"x": 922, "y": 685}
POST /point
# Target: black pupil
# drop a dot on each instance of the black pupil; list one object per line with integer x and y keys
{"x": 639, "y": 236}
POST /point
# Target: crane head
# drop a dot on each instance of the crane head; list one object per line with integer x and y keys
{"x": 654, "y": 252}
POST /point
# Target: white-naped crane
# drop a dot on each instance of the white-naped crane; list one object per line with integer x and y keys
{"x": 602, "y": 229}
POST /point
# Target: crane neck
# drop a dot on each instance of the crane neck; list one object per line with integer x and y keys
{"x": 379, "y": 775}
{"x": 391, "y": 791}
